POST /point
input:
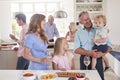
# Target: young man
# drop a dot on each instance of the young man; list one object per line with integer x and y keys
{"x": 84, "y": 44}
{"x": 22, "y": 63}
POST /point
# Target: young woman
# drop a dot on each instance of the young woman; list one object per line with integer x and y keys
{"x": 36, "y": 43}
{"x": 62, "y": 59}
{"x": 71, "y": 33}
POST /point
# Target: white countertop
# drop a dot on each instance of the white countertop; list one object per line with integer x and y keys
{"x": 15, "y": 74}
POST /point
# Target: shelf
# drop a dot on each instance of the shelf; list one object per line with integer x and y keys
{"x": 91, "y": 12}
{"x": 93, "y": 7}
{"x": 89, "y": 3}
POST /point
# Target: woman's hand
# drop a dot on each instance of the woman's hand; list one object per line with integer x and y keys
{"x": 46, "y": 60}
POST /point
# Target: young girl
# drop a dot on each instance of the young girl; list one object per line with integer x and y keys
{"x": 63, "y": 59}
{"x": 100, "y": 38}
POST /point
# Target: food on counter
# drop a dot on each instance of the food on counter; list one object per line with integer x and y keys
{"x": 80, "y": 76}
{"x": 28, "y": 74}
{"x": 70, "y": 74}
{"x": 72, "y": 78}
{"x": 48, "y": 77}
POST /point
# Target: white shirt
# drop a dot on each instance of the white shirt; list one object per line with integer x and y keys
{"x": 101, "y": 33}
{"x": 21, "y": 40}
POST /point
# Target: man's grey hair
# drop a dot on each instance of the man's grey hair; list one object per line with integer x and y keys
{"x": 50, "y": 16}
{"x": 82, "y": 13}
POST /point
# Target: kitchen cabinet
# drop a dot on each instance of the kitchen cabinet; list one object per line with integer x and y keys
{"x": 94, "y": 7}
{"x": 8, "y": 59}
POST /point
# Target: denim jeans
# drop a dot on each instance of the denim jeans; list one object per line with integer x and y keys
{"x": 22, "y": 64}
{"x": 99, "y": 66}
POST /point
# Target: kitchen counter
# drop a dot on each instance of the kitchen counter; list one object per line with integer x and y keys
{"x": 16, "y": 74}
{"x": 8, "y": 59}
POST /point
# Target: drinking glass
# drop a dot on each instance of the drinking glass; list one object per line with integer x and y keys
{"x": 86, "y": 61}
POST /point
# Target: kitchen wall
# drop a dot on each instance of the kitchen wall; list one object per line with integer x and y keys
{"x": 113, "y": 16}
{"x": 5, "y": 20}
{"x": 5, "y": 15}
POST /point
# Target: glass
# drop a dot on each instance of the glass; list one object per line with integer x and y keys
{"x": 86, "y": 61}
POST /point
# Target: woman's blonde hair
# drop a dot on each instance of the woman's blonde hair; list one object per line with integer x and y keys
{"x": 35, "y": 24}
{"x": 58, "y": 45}
{"x": 100, "y": 17}
{"x": 73, "y": 26}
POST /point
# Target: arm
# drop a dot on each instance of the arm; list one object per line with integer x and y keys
{"x": 86, "y": 52}
{"x": 31, "y": 58}
{"x": 13, "y": 37}
{"x": 67, "y": 35}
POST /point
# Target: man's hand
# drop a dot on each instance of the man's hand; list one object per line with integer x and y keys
{"x": 13, "y": 37}
{"x": 100, "y": 54}
{"x": 93, "y": 53}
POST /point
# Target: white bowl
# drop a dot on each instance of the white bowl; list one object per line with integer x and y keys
{"x": 81, "y": 78}
{"x": 28, "y": 77}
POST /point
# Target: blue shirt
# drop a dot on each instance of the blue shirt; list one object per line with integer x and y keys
{"x": 83, "y": 39}
{"x": 37, "y": 49}
{"x": 51, "y": 31}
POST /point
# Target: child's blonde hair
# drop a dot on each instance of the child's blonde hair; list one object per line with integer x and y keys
{"x": 100, "y": 17}
{"x": 73, "y": 26}
{"x": 59, "y": 45}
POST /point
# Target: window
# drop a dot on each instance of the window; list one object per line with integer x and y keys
{"x": 29, "y": 8}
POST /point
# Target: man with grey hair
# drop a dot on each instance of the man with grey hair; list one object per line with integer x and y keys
{"x": 84, "y": 43}
{"x": 51, "y": 29}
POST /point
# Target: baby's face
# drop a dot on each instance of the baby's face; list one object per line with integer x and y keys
{"x": 99, "y": 24}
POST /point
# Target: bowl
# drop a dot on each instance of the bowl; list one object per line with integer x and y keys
{"x": 28, "y": 76}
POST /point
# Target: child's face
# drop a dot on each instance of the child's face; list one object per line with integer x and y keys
{"x": 65, "y": 45}
{"x": 99, "y": 24}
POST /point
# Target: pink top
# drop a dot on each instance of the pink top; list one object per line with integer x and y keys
{"x": 63, "y": 61}
{"x": 21, "y": 40}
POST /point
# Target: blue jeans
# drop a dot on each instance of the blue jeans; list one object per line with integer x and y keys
{"x": 99, "y": 66}
{"x": 22, "y": 64}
